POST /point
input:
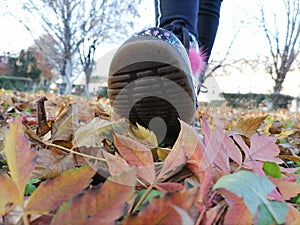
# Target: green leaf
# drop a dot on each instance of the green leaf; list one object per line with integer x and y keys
{"x": 153, "y": 194}
{"x": 254, "y": 190}
{"x": 30, "y": 187}
{"x": 265, "y": 217}
{"x": 272, "y": 169}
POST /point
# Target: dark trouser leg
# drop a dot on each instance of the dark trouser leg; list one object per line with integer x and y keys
{"x": 208, "y": 22}
{"x": 183, "y": 11}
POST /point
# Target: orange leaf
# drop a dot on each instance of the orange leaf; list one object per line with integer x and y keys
{"x": 8, "y": 194}
{"x": 238, "y": 213}
{"x": 136, "y": 154}
{"x": 287, "y": 188}
{"x": 52, "y": 193}
{"x": 20, "y": 157}
{"x": 160, "y": 210}
{"x": 292, "y": 217}
{"x": 102, "y": 205}
{"x": 249, "y": 126}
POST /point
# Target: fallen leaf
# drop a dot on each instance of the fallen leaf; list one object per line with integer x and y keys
{"x": 50, "y": 164}
{"x": 52, "y": 193}
{"x": 287, "y": 188}
{"x": 249, "y": 126}
{"x": 254, "y": 190}
{"x": 20, "y": 157}
{"x": 93, "y": 133}
{"x": 102, "y": 205}
{"x": 66, "y": 124}
{"x": 144, "y": 134}
{"x": 43, "y": 126}
{"x": 8, "y": 194}
{"x": 262, "y": 148}
{"x": 293, "y": 217}
{"x": 237, "y": 213}
{"x": 136, "y": 154}
{"x": 162, "y": 211}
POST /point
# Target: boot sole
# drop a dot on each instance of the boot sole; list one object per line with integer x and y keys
{"x": 150, "y": 84}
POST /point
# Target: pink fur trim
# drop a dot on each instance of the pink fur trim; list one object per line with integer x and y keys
{"x": 197, "y": 60}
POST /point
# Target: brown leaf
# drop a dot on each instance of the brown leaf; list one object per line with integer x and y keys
{"x": 20, "y": 157}
{"x": 8, "y": 194}
{"x": 160, "y": 210}
{"x": 67, "y": 122}
{"x": 249, "y": 126}
{"x": 136, "y": 154}
{"x": 52, "y": 193}
{"x": 50, "y": 164}
{"x": 102, "y": 205}
{"x": 43, "y": 126}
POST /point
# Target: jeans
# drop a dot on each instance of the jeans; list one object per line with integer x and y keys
{"x": 200, "y": 17}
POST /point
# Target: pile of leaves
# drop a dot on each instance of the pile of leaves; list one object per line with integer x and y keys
{"x": 69, "y": 160}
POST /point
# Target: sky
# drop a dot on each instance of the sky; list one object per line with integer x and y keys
{"x": 14, "y": 36}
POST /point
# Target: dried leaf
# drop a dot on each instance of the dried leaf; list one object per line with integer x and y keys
{"x": 287, "y": 188}
{"x": 116, "y": 164}
{"x": 52, "y": 193}
{"x": 43, "y": 126}
{"x": 238, "y": 213}
{"x": 136, "y": 154}
{"x": 262, "y": 148}
{"x": 20, "y": 157}
{"x": 293, "y": 217}
{"x": 161, "y": 210}
{"x": 102, "y": 205}
{"x": 66, "y": 124}
{"x": 93, "y": 133}
{"x": 249, "y": 126}
{"x": 50, "y": 164}
{"x": 8, "y": 194}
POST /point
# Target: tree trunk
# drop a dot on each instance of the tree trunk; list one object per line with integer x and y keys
{"x": 68, "y": 75}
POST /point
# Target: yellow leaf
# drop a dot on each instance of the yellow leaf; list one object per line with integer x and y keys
{"x": 144, "y": 134}
{"x": 20, "y": 157}
{"x": 163, "y": 153}
{"x": 249, "y": 126}
{"x": 8, "y": 193}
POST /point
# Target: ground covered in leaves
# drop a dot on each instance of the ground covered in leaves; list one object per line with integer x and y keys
{"x": 240, "y": 167}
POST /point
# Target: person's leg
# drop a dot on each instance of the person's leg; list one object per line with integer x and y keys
{"x": 208, "y": 22}
{"x": 178, "y": 11}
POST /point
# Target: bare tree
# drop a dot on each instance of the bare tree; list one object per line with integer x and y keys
{"x": 76, "y": 27}
{"x": 282, "y": 31}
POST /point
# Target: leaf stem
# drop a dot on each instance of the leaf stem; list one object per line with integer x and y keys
{"x": 25, "y": 218}
{"x": 74, "y": 152}
{"x": 144, "y": 196}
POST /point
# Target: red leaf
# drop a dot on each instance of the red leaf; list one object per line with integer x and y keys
{"x": 52, "y": 193}
{"x": 102, "y": 205}
{"x": 160, "y": 210}
{"x": 136, "y": 154}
